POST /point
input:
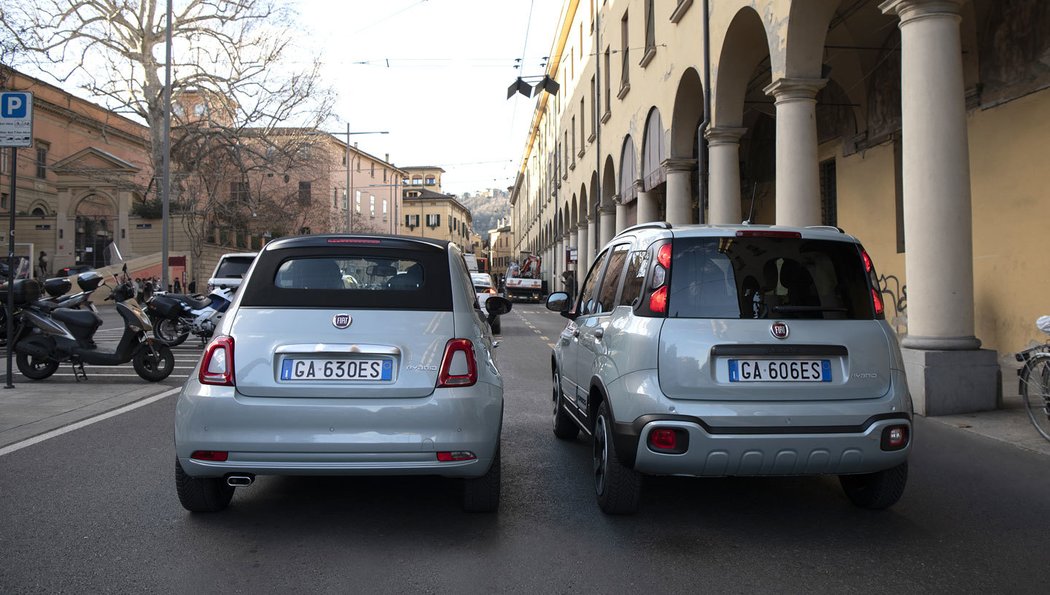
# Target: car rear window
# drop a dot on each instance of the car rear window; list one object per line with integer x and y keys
{"x": 759, "y": 277}
{"x": 351, "y": 277}
{"x": 234, "y": 267}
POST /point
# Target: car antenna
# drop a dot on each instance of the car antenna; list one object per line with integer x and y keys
{"x": 751, "y": 210}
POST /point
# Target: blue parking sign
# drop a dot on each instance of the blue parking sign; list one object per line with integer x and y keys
{"x": 16, "y": 119}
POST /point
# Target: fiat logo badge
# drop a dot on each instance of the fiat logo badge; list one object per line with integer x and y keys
{"x": 341, "y": 321}
{"x": 779, "y": 330}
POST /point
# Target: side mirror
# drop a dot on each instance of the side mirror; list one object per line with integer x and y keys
{"x": 558, "y": 302}
{"x": 497, "y": 306}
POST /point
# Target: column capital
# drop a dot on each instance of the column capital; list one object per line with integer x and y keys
{"x": 607, "y": 209}
{"x": 678, "y": 164}
{"x": 791, "y": 89}
{"x": 617, "y": 199}
{"x": 910, "y": 10}
{"x": 724, "y": 135}
{"x": 639, "y": 185}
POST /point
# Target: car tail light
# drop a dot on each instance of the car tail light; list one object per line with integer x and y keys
{"x": 894, "y": 438}
{"x": 658, "y": 282}
{"x": 876, "y": 294}
{"x": 458, "y": 366}
{"x": 455, "y": 455}
{"x": 217, "y": 362}
{"x": 668, "y": 440}
{"x": 767, "y": 233}
{"x": 218, "y": 456}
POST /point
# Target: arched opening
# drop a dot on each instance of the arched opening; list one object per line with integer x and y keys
{"x": 685, "y": 131}
{"x": 628, "y": 174}
{"x": 654, "y": 179}
{"x": 95, "y": 218}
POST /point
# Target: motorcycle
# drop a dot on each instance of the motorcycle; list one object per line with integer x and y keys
{"x": 175, "y": 316}
{"x": 48, "y": 336}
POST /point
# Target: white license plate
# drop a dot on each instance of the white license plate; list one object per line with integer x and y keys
{"x": 337, "y": 369}
{"x": 779, "y": 370}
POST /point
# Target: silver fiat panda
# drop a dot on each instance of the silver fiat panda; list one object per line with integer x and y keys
{"x": 345, "y": 355}
{"x": 733, "y": 351}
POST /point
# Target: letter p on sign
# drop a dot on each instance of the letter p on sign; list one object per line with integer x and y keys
{"x": 14, "y": 106}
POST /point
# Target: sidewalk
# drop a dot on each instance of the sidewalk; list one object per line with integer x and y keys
{"x": 34, "y": 408}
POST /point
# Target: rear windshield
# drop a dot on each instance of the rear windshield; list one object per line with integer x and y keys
{"x": 781, "y": 278}
{"x": 234, "y": 267}
{"x": 358, "y": 278}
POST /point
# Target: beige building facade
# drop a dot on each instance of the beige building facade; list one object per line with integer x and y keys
{"x": 912, "y": 124}
{"x": 430, "y": 214}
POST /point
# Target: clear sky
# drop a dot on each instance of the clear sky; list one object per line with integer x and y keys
{"x": 434, "y": 73}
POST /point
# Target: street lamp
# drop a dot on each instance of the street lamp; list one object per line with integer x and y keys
{"x": 350, "y": 173}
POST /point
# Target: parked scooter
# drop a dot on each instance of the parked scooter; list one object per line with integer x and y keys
{"x": 175, "y": 316}
{"x": 46, "y": 336}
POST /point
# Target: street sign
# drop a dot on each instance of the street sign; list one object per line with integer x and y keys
{"x": 16, "y": 119}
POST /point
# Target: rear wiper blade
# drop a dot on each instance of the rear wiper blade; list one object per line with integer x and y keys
{"x": 788, "y": 309}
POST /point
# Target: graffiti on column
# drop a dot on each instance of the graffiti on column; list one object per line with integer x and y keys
{"x": 896, "y": 295}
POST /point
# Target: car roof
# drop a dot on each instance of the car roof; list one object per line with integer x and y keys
{"x": 237, "y": 254}
{"x": 663, "y": 229}
{"x": 330, "y": 240}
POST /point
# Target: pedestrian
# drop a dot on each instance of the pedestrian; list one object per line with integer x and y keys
{"x": 193, "y": 287}
{"x": 41, "y": 265}
{"x": 177, "y": 286}
{"x": 136, "y": 284}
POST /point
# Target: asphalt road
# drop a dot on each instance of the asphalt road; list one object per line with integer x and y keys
{"x": 95, "y": 510}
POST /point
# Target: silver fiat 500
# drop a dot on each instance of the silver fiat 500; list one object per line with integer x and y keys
{"x": 733, "y": 351}
{"x": 345, "y": 355}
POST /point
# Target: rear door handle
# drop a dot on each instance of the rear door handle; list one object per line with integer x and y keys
{"x": 576, "y": 333}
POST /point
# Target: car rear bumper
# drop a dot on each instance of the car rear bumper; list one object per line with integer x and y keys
{"x": 756, "y": 451}
{"x": 301, "y": 436}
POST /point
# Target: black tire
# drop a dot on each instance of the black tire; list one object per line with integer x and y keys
{"x": 1035, "y": 392}
{"x": 35, "y": 368}
{"x": 876, "y": 491}
{"x": 497, "y": 327}
{"x": 564, "y": 426}
{"x": 201, "y": 494}
{"x": 153, "y": 361}
{"x": 167, "y": 330}
{"x": 481, "y": 494}
{"x": 619, "y": 489}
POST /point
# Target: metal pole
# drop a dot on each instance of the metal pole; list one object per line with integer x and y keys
{"x": 11, "y": 271}
{"x": 165, "y": 187}
{"x": 350, "y": 204}
{"x": 348, "y": 182}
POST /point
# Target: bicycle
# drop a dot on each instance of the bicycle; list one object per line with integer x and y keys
{"x": 1034, "y": 379}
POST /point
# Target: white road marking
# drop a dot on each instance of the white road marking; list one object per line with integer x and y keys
{"x": 86, "y": 422}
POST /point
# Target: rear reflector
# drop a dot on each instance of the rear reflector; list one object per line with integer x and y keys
{"x": 455, "y": 455}
{"x": 662, "y": 439}
{"x": 894, "y": 438}
{"x": 218, "y": 456}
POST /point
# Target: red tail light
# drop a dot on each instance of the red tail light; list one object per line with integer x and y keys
{"x": 658, "y": 301}
{"x": 756, "y": 233}
{"x": 455, "y": 455}
{"x": 876, "y": 299}
{"x": 658, "y": 281}
{"x": 663, "y": 257}
{"x": 876, "y": 295}
{"x": 217, "y": 362}
{"x": 458, "y": 366}
{"x": 663, "y": 439}
{"x": 210, "y": 455}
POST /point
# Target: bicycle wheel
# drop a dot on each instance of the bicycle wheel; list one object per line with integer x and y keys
{"x": 1035, "y": 392}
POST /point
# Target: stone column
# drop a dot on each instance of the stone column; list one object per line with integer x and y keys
{"x": 648, "y": 210}
{"x": 679, "y": 191}
{"x": 947, "y": 372}
{"x": 723, "y": 150}
{"x": 798, "y": 179}
{"x": 582, "y": 257}
{"x": 621, "y": 213}
{"x": 559, "y": 264}
{"x": 594, "y": 243}
{"x": 608, "y": 222}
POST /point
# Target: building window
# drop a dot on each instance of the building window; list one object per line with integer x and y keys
{"x": 625, "y": 50}
{"x": 431, "y": 180}
{"x": 5, "y": 161}
{"x": 608, "y": 79}
{"x": 828, "y": 193}
{"x": 3, "y": 201}
{"x": 335, "y": 197}
{"x": 417, "y": 180}
{"x": 357, "y": 201}
{"x": 594, "y": 107}
{"x": 412, "y": 221}
{"x": 372, "y": 205}
{"x": 650, "y": 33}
{"x": 384, "y": 208}
{"x": 41, "y": 162}
{"x": 573, "y": 129}
{"x": 239, "y": 191}
{"x": 304, "y": 193}
{"x": 433, "y": 220}
{"x": 372, "y": 169}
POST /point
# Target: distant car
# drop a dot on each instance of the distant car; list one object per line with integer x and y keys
{"x": 484, "y": 288}
{"x": 74, "y": 270}
{"x": 230, "y": 270}
{"x": 310, "y": 376}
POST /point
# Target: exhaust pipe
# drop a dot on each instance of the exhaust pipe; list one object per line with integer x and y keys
{"x": 240, "y": 481}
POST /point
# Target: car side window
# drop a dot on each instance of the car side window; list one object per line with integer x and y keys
{"x": 588, "y": 304}
{"x": 611, "y": 280}
{"x": 637, "y": 268}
